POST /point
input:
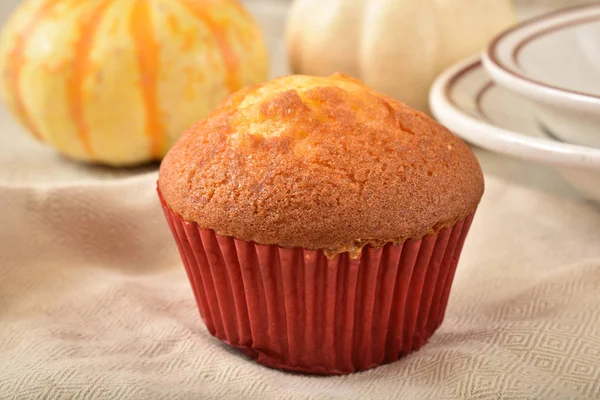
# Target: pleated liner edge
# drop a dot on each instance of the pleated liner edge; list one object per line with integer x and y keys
{"x": 295, "y": 309}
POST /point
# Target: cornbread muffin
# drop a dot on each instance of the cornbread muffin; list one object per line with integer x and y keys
{"x": 320, "y": 222}
{"x": 320, "y": 163}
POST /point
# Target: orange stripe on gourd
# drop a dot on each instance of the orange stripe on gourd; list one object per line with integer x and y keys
{"x": 240, "y": 8}
{"x": 246, "y": 32}
{"x": 233, "y": 79}
{"x": 148, "y": 57}
{"x": 173, "y": 24}
{"x": 80, "y": 70}
{"x": 17, "y": 59}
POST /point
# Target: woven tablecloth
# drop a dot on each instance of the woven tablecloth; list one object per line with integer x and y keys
{"x": 95, "y": 304}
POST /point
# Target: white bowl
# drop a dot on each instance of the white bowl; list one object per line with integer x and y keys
{"x": 554, "y": 60}
{"x": 468, "y": 102}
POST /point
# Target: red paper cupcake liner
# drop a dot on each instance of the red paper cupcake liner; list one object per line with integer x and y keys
{"x": 297, "y": 310}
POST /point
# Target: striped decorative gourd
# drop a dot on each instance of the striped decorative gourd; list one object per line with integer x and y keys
{"x": 117, "y": 81}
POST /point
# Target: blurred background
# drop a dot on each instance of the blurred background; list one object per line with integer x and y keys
{"x": 274, "y": 20}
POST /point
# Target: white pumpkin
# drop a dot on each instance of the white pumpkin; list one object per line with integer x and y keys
{"x": 397, "y": 47}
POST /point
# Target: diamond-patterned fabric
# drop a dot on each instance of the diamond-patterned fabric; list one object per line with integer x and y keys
{"x": 95, "y": 304}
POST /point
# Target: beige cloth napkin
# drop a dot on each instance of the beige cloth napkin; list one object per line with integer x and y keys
{"x": 94, "y": 304}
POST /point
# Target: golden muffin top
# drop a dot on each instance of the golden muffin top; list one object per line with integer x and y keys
{"x": 320, "y": 163}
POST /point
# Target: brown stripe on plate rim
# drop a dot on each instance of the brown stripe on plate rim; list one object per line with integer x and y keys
{"x": 447, "y": 93}
{"x": 492, "y": 49}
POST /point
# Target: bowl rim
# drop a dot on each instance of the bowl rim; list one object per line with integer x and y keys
{"x": 500, "y": 140}
{"x": 543, "y": 92}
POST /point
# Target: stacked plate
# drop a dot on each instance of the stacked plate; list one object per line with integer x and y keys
{"x": 534, "y": 94}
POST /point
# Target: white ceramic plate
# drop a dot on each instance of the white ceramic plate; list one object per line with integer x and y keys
{"x": 554, "y": 60}
{"x": 467, "y": 101}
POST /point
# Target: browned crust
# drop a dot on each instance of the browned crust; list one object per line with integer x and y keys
{"x": 328, "y": 164}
